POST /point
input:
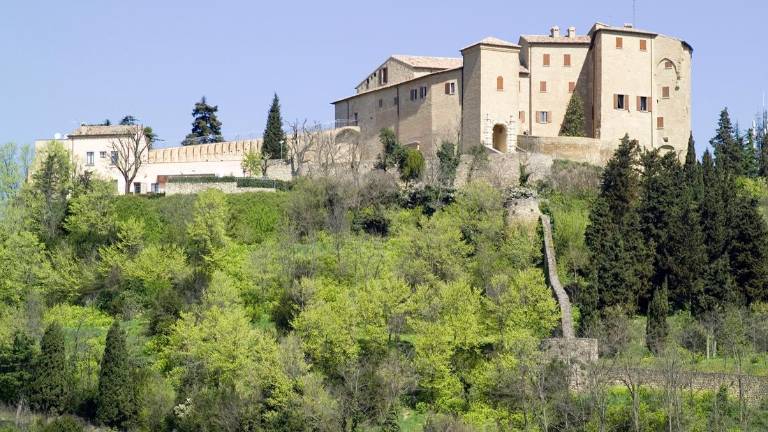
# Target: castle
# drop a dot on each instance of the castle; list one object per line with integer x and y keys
{"x": 508, "y": 98}
{"x": 499, "y": 94}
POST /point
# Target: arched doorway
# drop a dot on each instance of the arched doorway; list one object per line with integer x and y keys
{"x": 500, "y": 138}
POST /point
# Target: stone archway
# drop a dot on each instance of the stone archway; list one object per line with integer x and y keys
{"x": 500, "y": 138}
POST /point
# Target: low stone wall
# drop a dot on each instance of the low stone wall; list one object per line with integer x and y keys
{"x": 226, "y": 187}
{"x": 576, "y": 353}
{"x": 577, "y": 149}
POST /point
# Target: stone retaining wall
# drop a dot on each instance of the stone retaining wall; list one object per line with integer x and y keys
{"x": 577, "y": 149}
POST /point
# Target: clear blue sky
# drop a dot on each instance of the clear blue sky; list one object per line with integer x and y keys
{"x": 67, "y": 62}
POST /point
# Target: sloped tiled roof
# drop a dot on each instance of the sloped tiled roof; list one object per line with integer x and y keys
{"x": 429, "y": 62}
{"x": 100, "y": 130}
{"x": 556, "y": 40}
{"x": 490, "y": 40}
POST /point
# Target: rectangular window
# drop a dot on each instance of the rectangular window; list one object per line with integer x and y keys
{"x": 422, "y": 92}
{"x": 665, "y": 92}
{"x": 546, "y": 59}
{"x": 619, "y": 43}
{"x": 643, "y": 45}
{"x": 620, "y": 102}
{"x": 668, "y": 65}
{"x": 383, "y": 76}
{"x": 89, "y": 158}
{"x": 659, "y": 122}
{"x": 571, "y": 87}
{"x": 521, "y": 116}
{"x": 355, "y": 124}
{"x": 154, "y": 188}
{"x": 137, "y": 188}
{"x": 543, "y": 117}
{"x": 102, "y": 155}
{"x": 113, "y": 157}
{"x": 543, "y": 86}
{"x": 381, "y": 103}
{"x": 450, "y": 88}
{"x": 414, "y": 94}
{"x": 566, "y": 60}
{"x": 643, "y": 104}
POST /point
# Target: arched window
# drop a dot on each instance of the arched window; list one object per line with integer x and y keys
{"x": 499, "y": 83}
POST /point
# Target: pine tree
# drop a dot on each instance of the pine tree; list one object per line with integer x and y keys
{"x": 750, "y": 160}
{"x": 657, "y": 329}
{"x": 49, "y": 390}
{"x": 115, "y": 405}
{"x": 573, "y": 123}
{"x": 764, "y": 155}
{"x": 748, "y": 249}
{"x": 15, "y": 369}
{"x": 206, "y": 127}
{"x": 713, "y": 217}
{"x": 728, "y": 151}
{"x": 274, "y": 136}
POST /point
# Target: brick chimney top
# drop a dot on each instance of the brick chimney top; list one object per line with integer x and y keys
{"x": 571, "y": 32}
{"x": 554, "y": 31}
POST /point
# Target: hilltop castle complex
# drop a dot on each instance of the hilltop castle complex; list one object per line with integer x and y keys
{"x": 510, "y": 98}
{"x": 630, "y": 81}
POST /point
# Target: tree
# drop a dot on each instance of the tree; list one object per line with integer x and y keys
{"x": 115, "y": 400}
{"x": 763, "y": 169}
{"x": 207, "y": 235}
{"x": 449, "y": 160}
{"x": 729, "y": 154}
{"x": 392, "y": 151}
{"x": 255, "y": 162}
{"x": 412, "y": 165}
{"x": 50, "y": 387}
{"x": 16, "y": 360}
{"x": 206, "y": 127}
{"x": 274, "y": 136}
{"x": 51, "y": 187}
{"x": 131, "y": 148}
{"x": 750, "y": 159}
{"x": 303, "y": 140}
{"x": 10, "y": 172}
{"x": 573, "y": 123}
{"x": 657, "y": 329}
{"x": 128, "y": 120}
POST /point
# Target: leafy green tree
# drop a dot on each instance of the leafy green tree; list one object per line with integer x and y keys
{"x": 64, "y": 424}
{"x": 115, "y": 401}
{"x": 91, "y": 219}
{"x": 50, "y": 190}
{"x": 206, "y": 127}
{"x": 392, "y": 152}
{"x": 412, "y": 165}
{"x": 574, "y": 122}
{"x": 24, "y": 268}
{"x": 449, "y": 159}
{"x": 207, "y": 235}
{"x": 657, "y": 329}
{"x": 274, "y": 136}
{"x": 52, "y": 377}
{"x": 10, "y": 172}
{"x": 15, "y": 369}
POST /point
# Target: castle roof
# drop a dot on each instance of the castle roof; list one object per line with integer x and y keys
{"x": 425, "y": 62}
{"x": 544, "y": 39}
{"x": 490, "y": 40}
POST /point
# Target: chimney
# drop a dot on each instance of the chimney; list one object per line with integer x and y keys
{"x": 571, "y": 32}
{"x": 554, "y": 32}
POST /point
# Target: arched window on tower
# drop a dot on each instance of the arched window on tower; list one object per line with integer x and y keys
{"x": 499, "y": 83}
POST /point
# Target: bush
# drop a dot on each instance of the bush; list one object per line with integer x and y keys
{"x": 264, "y": 183}
{"x": 412, "y": 165}
{"x": 255, "y": 216}
{"x": 371, "y": 220}
{"x": 64, "y": 424}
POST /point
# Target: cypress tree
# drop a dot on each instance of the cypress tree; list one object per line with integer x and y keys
{"x": 750, "y": 160}
{"x": 49, "y": 390}
{"x": 657, "y": 329}
{"x": 15, "y": 369}
{"x": 206, "y": 127}
{"x": 274, "y": 136}
{"x": 115, "y": 405}
{"x": 764, "y": 154}
{"x": 573, "y": 123}
{"x": 728, "y": 151}
{"x": 713, "y": 217}
{"x": 748, "y": 249}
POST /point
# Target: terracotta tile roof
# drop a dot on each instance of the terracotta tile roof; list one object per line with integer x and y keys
{"x": 429, "y": 62}
{"x": 99, "y": 130}
{"x": 490, "y": 40}
{"x": 556, "y": 40}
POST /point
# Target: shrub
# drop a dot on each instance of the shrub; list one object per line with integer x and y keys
{"x": 64, "y": 424}
{"x": 255, "y": 216}
{"x": 412, "y": 165}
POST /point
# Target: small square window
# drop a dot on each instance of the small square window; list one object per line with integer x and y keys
{"x": 543, "y": 117}
{"x": 381, "y": 103}
{"x": 571, "y": 87}
{"x": 665, "y": 92}
{"x": 414, "y": 94}
{"x": 422, "y": 92}
{"x": 620, "y": 102}
{"x": 567, "y": 60}
{"x": 643, "y": 45}
{"x": 546, "y": 59}
{"x": 154, "y": 188}
{"x": 642, "y": 104}
{"x": 521, "y": 116}
{"x": 137, "y": 188}
{"x": 659, "y": 122}
{"x": 89, "y": 159}
{"x": 619, "y": 43}
{"x": 543, "y": 86}
{"x": 102, "y": 155}
{"x": 113, "y": 157}
{"x": 450, "y": 88}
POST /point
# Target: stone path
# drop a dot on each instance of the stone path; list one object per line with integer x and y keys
{"x": 554, "y": 280}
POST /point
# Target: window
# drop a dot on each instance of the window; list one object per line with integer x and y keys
{"x": 546, "y": 59}
{"x": 355, "y": 119}
{"x": 668, "y": 65}
{"x": 450, "y": 88}
{"x": 571, "y": 87}
{"x": 154, "y": 188}
{"x": 113, "y": 157}
{"x": 102, "y": 155}
{"x": 619, "y": 43}
{"x": 423, "y": 92}
{"x": 543, "y": 86}
{"x": 620, "y": 102}
{"x": 659, "y": 122}
{"x": 89, "y": 158}
{"x": 499, "y": 83}
{"x": 543, "y": 117}
{"x": 567, "y": 60}
{"x": 383, "y": 76}
{"x": 665, "y": 92}
{"x": 643, "y": 104}
{"x": 381, "y": 103}
{"x": 414, "y": 94}
{"x": 643, "y": 45}
{"x": 137, "y": 188}
{"x": 521, "y": 116}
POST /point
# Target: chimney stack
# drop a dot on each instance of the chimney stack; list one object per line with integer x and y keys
{"x": 571, "y": 32}
{"x": 555, "y": 32}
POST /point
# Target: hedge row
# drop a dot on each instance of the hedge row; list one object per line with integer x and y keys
{"x": 241, "y": 181}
